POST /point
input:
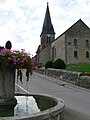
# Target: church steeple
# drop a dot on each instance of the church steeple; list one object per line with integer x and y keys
{"x": 47, "y": 25}
{"x": 47, "y": 34}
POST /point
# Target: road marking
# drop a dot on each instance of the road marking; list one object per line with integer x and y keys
{"x": 22, "y": 88}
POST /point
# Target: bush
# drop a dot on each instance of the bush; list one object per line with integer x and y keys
{"x": 49, "y": 64}
{"x": 59, "y": 64}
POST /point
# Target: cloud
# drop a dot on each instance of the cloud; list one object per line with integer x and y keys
{"x": 68, "y": 12}
{"x": 6, "y": 16}
{"x": 2, "y": 1}
{"x": 21, "y": 21}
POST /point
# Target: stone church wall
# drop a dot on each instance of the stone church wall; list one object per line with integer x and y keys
{"x": 65, "y": 47}
{"x": 59, "y": 44}
{"x": 45, "y": 55}
{"x": 81, "y": 33}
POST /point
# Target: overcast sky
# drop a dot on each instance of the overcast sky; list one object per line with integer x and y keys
{"x": 21, "y": 21}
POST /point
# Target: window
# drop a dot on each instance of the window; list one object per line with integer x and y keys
{"x": 48, "y": 38}
{"x": 87, "y": 43}
{"x": 75, "y": 42}
{"x": 53, "y": 53}
{"x": 87, "y": 54}
{"x": 75, "y": 54}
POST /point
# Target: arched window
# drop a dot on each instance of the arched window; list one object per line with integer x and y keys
{"x": 75, "y": 54}
{"x": 53, "y": 53}
{"x": 87, "y": 43}
{"x": 87, "y": 54}
{"x": 75, "y": 42}
{"x": 48, "y": 38}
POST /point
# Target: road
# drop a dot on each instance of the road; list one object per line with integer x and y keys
{"x": 77, "y": 100}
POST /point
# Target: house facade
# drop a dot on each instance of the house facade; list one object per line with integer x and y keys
{"x": 73, "y": 46}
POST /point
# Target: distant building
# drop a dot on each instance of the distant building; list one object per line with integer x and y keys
{"x": 73, "y": 46}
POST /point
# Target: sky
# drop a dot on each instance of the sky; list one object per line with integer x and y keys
{"x": 21, "y": 21}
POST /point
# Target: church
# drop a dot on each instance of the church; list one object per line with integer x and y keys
{"x": 72, "y": 46}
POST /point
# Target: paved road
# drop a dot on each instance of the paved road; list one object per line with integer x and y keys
{"x": 77, "y": 100}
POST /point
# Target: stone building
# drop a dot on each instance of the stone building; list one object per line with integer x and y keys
{"x": 73, "y": 46}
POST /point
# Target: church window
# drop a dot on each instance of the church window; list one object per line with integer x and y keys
{"x": 69, "y": 43}
{"x": 75, "y": 42}
{"x": 53, "y": 53}
{"x": 48, "y": 38}
{"x": 87, "y": 54}
{"x": 87, "y": 43}
{"x": 75, "y": 54}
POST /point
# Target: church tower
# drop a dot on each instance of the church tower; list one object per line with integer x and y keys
{"x": 47, "y": 34}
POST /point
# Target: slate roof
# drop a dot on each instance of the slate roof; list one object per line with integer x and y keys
{"x": 47, "y": 25}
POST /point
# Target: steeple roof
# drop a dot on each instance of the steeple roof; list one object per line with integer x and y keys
{"x": 47, "y": 25}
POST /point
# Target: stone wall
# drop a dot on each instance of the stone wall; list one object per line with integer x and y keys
{"x": 67, "y": 76}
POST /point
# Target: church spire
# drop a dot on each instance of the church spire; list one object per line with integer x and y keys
{"x": 47, "y": 25}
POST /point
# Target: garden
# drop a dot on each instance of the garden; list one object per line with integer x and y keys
{"x": 59, "y": 64}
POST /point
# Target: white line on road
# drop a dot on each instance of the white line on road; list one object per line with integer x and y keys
{"x": 22, "y": 88}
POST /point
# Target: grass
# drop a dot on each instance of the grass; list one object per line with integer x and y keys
{"x": 79, "y": 67}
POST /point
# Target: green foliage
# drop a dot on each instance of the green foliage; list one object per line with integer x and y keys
{"x": 49, "y": 64}
{"x": 59, "y": 64}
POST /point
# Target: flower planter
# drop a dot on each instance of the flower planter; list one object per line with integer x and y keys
{"x": 7, "y": 87}
{"x": 9, "y": 61}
